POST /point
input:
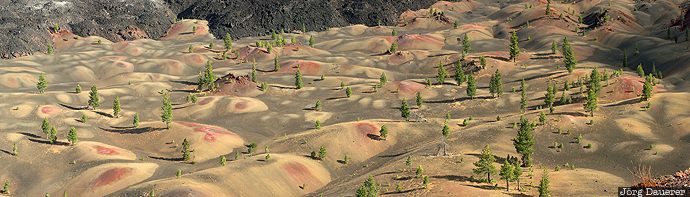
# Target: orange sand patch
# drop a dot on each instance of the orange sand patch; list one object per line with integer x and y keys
{"x": 420, "y": 42}
{"x": 400, "y": 57}
{"x": 306, "y": 67}
{"x": 193, "y": 59}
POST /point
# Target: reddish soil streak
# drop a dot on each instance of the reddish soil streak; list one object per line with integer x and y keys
{"x": 367, "y": 128}
{"x": 306, "y": 67}
{"x": 110, "y": 176}
{"x": 241, "y": 105}
{"x": 47, "y": 109}
{"x": 299, "y": 173}
{"x": 205, "y": 101}
{"x": 105, "y": 151}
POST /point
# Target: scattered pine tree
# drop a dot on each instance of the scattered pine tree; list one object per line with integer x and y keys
{"x": 94, "y": 101}
{"x": 524, "y": 142}
{"x": 485, "y": 165}
{"x": 42, "y": 84}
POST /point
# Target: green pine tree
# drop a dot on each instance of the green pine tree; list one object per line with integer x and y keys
{"x": 544, "y": 185}
{"x": 52, "y": 135}
{"x": 485, "y": 165}
{"x": 459, "y": 73}
{"x": 222, "y": 160}
{"x": 591, "y": 104}
{"x": 252, "y": 75}
{"x": 553, "y": 47}
{"x": 524, "y": 142}
{"x": 393, "y": 48}
{"x": 72, "y": 136}
{"x": 42, "y": 84}
{"x": 523, "y": 96}
{"x": 471, "y": 86}
{"x": 482, "y": 61}
{"x": 568, "y": 55}
{"x": 45, "y": 127}
{"x": 446, "y": 130}
{"x": 348, "y": 91}
{"x": 135, "y": 120}
{"x": 383, "y": 79}
{"x": 276, "y": 64}
{"x": 506, "y": 172}
{"x": 383, "y": 132}
{"x": 419, "y": 100}
{"x": 442, "y": 74}
{"x": 404, "y": 109}
{"x": 496, "y": 84}
{"x": 116, "y": 107}
{"x": 548, "y": 7}
{"x": 466, "y": 46}
{"x": 299, "y": 84}
{"x": 640, "y": 71}
{"x": 514, "y": 48}
{"x": 94, "y": 101}
{"x": 647, "y": 89}
{"x": 322, "y": 153}
{"x": 186, "y": 150}
{"x": 550, "y": 96}
{"x": 166, "y": 113}
{"x": 311, "y": 41}
{"x": 227, "y": 40}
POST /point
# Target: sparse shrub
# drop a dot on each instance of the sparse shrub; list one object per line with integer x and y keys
{"x": 77, "y": 89}
{"x": 135, "y": 120}
{"x": 322, "y": 153}
{"x": 348, "y": 92}
{"x": 317, "y": 124}
{"x": 419, "y": 172}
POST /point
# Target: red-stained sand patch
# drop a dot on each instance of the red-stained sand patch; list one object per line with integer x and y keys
{"x": 49, "y": 110}
{"x": 366, "y": 128}
{"x": 105, "y": 151}
{"x": 241, "y": 105}
{"x": 306, "y": 67}
{"x": 627, "y": 87}
{"x": 298, "y": 172}
{"x": 211, "y": 133}
{"x": 110, "y": 176}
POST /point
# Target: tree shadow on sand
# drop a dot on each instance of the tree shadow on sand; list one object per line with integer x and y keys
{"x": 167, "y": 158}
{"x": 72, "y": 107}
{"x": 458, "y": 99}
{"x": 131, "y": 130}
{"x": 48, "y": 142}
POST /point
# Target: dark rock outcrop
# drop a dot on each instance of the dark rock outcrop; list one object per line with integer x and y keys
{"x": 25, "y": 25}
